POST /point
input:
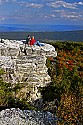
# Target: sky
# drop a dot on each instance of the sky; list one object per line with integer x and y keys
{"x": 59, "y": 12}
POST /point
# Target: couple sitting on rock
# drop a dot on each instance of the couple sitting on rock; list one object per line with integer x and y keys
{"x": 32, "y": 41}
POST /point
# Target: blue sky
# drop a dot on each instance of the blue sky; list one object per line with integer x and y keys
{"x": 59, "y": 12}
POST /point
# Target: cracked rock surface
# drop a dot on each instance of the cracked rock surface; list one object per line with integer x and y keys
{"x": 26, "y": 117}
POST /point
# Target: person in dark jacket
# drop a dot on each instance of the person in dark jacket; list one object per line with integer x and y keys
{"x": 28, "y": 40}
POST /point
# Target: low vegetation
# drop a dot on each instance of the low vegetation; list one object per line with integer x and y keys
{"x": 64, "y": 95}
{"x": 11, "y": 96}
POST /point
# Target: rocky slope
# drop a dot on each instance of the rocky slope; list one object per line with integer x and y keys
{"x": 26, "y": 65}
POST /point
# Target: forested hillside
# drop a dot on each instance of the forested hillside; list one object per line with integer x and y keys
{"x": 63, "y": 36}
{"x": 64, "y": 95}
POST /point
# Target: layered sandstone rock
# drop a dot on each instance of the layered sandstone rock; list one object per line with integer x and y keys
{"x": 26, "y": 65}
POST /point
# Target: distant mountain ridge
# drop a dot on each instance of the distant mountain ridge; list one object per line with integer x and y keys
{"x": 63, "y": 35}
{"x": 38, "y": 27}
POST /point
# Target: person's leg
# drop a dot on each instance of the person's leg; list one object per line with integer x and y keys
{"x": 39, "y": 44}
{"x": 35, "y": 43}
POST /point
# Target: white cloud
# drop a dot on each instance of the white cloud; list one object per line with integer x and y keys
{"x": 2, "y": 18}
{"x": 60, "y": 3}
{"x": 70, "y": 15}
{"x": 25, "y": 11}
{"x": 80, "y": 3}
{"x": 52, "y": 15}
{"x": 22, "y": 3}
{"x": 34, "y": 5}
{"x": 5, "y": 1}
{"x": 1, "y": 1}
{"x": 48, "y": 16}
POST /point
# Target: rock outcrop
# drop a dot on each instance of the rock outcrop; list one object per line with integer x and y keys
{"x": 26, "y": 65}
{"x": 26, "y": 117}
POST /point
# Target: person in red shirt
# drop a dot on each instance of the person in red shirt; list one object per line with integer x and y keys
{"x": 32, "y": 41}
